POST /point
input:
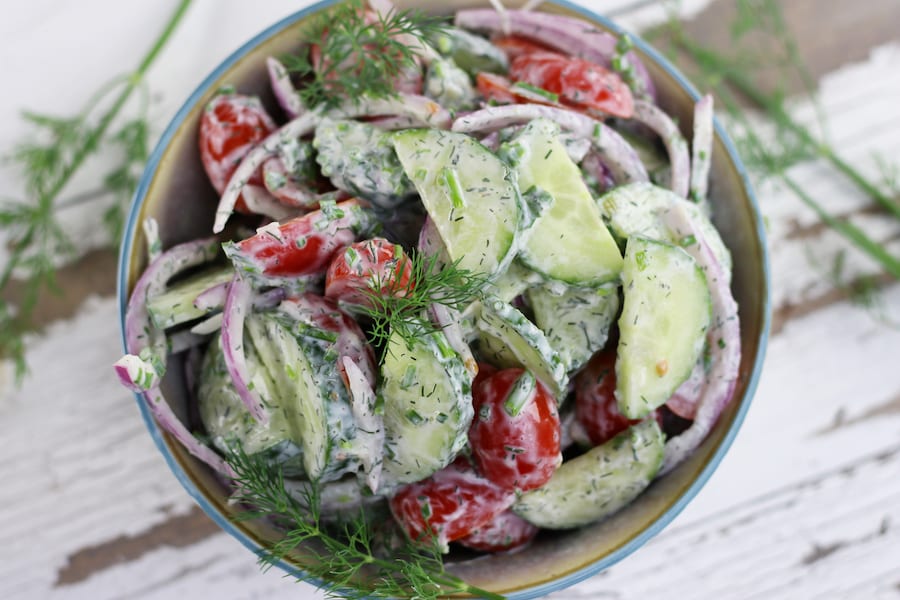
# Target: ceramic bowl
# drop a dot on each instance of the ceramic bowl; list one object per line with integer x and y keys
{"x": 175, "y": 191}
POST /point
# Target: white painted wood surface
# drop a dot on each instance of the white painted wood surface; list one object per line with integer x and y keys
{"x": 805, "y": 505}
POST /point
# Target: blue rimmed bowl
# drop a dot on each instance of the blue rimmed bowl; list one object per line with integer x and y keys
{"x": 175, "y": 191}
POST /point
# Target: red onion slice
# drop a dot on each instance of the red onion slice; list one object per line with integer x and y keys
{"x": 568, "y": 35}
{"x": 653, "y": 117}
{"x": 724, "y": 340}
{"x": 369, "y": 424}
{"x": 284, "y": 91}
{"x": 237, "y": 305}
{"x": 701, "y": 148}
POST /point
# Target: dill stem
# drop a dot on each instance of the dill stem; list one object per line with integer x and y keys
{"x": 852, "y": 233}
{"x": 776, "y": 110}
{"x": 46, "y": 198}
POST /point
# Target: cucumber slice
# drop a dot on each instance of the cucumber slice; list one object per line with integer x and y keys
{"x": 637, "y": 209}
{"x": 315, "y": 403}
{"x": 514, "y": 281}
{"x": 508, "y": 339}
{"x": 471, "y": 52}
{"x": 575, "y": 320}
{"x": 569, "y": 241}
{"x": 427, "y": 396}
{"x": 662, "y": 329}
{"x": 176, "y": 305}
{"x": 469, "y": 194}
{"x": 597, "y": 483}
{"x": 223, "y": 413}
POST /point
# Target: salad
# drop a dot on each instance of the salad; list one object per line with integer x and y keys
{"x": 490, "y": 299}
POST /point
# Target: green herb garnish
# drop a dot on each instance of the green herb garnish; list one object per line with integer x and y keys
{"x": 47, "y": 162}
{"x": 396, "y": 305}
{"x": 357, "y": 55}
{"x": 344, "y": 556}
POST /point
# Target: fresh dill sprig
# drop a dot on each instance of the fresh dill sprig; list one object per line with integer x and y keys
{"x": 343, "y": 556}
{"x": 395, "y": 305}
{"x": 359, "y": 53}
{"x": 47, "y": 161}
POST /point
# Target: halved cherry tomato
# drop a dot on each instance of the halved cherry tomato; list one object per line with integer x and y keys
{"x": 515, "y": 436}
{"x": 578, "y": 83}
{"x": 408, "y": 80}
{"x": 516, "y": 45}
{"x": 595, "y": 400}
{"x": 230, "y": 127}
{"x": 451, "y": 504}
{"x": 508, "y": 531}
{"x": 305, "y": 245}
{"x": 374, "y": 265}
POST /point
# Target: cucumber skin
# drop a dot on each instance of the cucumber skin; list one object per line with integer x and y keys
{"x": 598, "y": 483}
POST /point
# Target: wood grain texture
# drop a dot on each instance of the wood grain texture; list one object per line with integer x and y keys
{"x": 805, "y": 505}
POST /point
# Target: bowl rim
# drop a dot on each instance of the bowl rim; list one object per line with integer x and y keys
{"x": 572, "y": 577}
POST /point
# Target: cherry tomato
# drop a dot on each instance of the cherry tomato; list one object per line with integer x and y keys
{"x": 508, "y": 531}
{"x": 304, "y": 245}
{"x": 230, "y": 127}
{"x": 374, "y": 265}
{"x": 515, "y": 436}
{"x": 595, "y": 400}
{"x": 408, "y": 80}
{"x": 515, "y": 46}
{"x": 579, "y": 83}
{"x": 485, "y": 370}
{"x": 451, "y": 503}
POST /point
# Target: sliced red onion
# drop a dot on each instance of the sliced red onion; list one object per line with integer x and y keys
{"x": 237, "y": 305}
{"x": 212, "y": 298}
{"x": 423, "y": 111}
{"x": 619, "y": 156}
{"x": 701, "y": 149}
{"x": 167, "y": 419}
{"x": 140, "y": 335}
{"x": 654, "y": 118}
{"x": 369, "y": 424}
{"x": 284, "y": 91}
{"x": 448, "y": 320}
{"x": 570, "y": 36}
{"x": 299, "y": 127}
{"x": 724, "y": 341}
{"x": 136, "y": 374}
{"x": 684, "y": 401}
{"x": 261, "y": 202}
{"x": 282, "y": 184}
{"x": 594, "y": 167}
{"x": 208, "y": 326}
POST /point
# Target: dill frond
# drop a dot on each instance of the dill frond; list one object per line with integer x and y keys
{"x": 358, "y": 54}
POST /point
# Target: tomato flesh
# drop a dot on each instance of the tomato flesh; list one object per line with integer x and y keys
{"x": 515, "y": 46}
{"x": 304, "y": 245}
{"x": 596, "y": 407}
{"x": 578, "y": 83}
{"x": 451, "y": 503}
{"x": 370, "y": 266}
{"x": 508, "y": 531}
{"x": 515, "y": 451}
{"x": 230, "y": 127}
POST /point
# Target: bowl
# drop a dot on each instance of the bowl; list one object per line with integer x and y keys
{"x": 175, "y": 191}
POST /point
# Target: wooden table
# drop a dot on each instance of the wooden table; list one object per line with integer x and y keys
{"x": 805, "y": 505}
